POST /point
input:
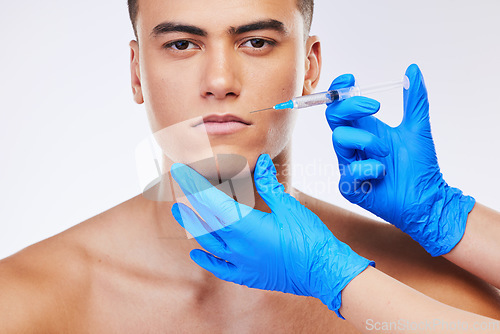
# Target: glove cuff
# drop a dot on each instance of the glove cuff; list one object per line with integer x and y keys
{"x": 449, "y": 224}
{"x": 335, "y": 304}
{"x": 343, "y": 267}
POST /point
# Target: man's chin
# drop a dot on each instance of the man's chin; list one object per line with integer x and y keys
{"x": 229, "y": 173}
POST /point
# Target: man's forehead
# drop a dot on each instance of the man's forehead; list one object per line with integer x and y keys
{"x": 214, "y": 14}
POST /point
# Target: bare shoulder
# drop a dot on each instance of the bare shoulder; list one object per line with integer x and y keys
{"x": 37, "y": 285}
{"x": 399, "y": 256}
{"x": 43, "y": 286}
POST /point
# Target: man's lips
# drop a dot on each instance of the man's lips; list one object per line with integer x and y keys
{"x": 222, "y": 124}
{"x": 218, "y": 118}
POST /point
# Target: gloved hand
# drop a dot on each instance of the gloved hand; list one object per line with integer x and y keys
{"x": 288, "y": 250}
{"x": 394, "y": 172}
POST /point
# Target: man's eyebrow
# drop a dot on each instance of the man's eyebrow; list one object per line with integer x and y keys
{"x": 260, "y": 25}
{"x": 270, "y": 24}
{"x": 167, "y": 27}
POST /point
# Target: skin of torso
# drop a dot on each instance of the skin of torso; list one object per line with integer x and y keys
{"x": 119, "y": 273}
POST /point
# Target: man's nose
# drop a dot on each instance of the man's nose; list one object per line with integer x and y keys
{"x": 221, "y": 75}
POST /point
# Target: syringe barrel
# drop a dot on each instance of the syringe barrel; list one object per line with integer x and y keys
{"x": 325, "y": 97}
{"x": 311, "y": 100}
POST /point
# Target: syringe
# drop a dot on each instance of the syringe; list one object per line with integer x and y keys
{"x": 337, "y": 95}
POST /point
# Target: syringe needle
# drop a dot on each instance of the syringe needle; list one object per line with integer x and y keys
{"x": 261, "y": 110}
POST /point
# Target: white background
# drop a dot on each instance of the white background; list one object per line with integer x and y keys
{"x": 69, "y": 127}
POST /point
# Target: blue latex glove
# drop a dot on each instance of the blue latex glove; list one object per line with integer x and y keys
{"x": 394, "y": 172}
{"x": 288, "y": 250}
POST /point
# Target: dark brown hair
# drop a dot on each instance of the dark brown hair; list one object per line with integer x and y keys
{"x": 306, "y": 7}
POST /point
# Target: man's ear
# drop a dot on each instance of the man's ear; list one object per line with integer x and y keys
{"x": 135, "y": 72}
{"x": 313, "y": 65}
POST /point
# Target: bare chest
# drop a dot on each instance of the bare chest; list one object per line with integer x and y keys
{"x": 182, "y": 309}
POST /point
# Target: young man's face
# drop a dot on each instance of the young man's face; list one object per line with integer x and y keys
{"x": 200, "y": 58}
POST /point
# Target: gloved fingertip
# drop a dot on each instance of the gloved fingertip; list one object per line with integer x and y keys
{"x": 351, "y": 109}
{"x": 176, "y": 169}
{"x": 412, "y": 71}
{"x": 415, "y": 100}
{"x": 370, "y": 105}
{"x": 177, "y": 214}
{"x": 196, "y": 254}
{"x": 176, "y": 165}
{"x": 266, "y": 182}
{"x": 205, "y": 260}
{"x": 220, "y": 268}
{"x": 264, "y": 160}
{"x": 354, "y": 108}
{"x": 263, "y": 166}
{"x": 342, "y": 81}
{"x": 201, "y": 258}
{"x": 269, "y": 163}
{"x": 415, "y": 77}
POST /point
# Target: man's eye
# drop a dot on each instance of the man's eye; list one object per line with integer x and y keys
{"x": 258, "y": 43}
{"x": 180, "y": 45}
